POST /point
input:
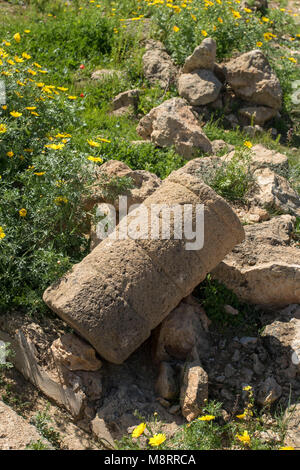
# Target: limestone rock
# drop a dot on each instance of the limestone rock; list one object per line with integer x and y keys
{"x": 269, "y": 392}
{"x": 180, "y": 332}
{"x": 106, "y": 296}
{"x": 264, "y": 269}
{"x": 194, "y": 390}
{"x": 285, "y": 335}
{"x": 101, "y": 431}
{"x": 262, "y": 157}
{"x": 274, "y": 192}
{"x": 123, "y": 101}
{"x": 74, "y": 353}
{"x": 203, "y": 57}
{"x": 106, "y": 74}
{"x": 158, "y": 66}
{"x": 173, "y": 123}
{"x": 199, "y": 87}
{"x": 219, "y": 145}
{"x": 292, "y": 421}
{"x": 252, "y": 79}
{"x": 144, "y": 184}
{"x": 258, "y": 114}
{"x": 166, "y": 385}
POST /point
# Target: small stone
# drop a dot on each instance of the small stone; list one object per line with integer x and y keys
{"x": 248, "y": 340}
{"x": 194, "y": 390}
{"x": 203, "y": 57}
{"x": 230, "y": 310}
{"x": 166, "y": 385}
{"x": 268, "y": 392}
{"x": 75, "y": 354}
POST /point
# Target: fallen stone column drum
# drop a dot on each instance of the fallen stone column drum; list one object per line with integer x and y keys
{"x": 124, "y": 288}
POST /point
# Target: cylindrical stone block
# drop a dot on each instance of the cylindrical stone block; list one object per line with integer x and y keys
{"x": 125, "y": 287}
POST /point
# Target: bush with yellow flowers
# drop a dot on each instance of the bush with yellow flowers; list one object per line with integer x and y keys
{"x": 42, "y": 178}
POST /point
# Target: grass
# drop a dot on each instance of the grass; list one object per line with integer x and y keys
{"x": 212, "y": 431}
{"x": 69, "y": 43}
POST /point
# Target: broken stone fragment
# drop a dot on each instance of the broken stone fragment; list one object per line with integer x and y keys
{"x": 123, "y": 101}
{"x": 173, "y": 123}
{"x": 182, "y": 330}
{"x": 264, "y": 269}
{"x": 251, "y": 78}
{"x": 274, "y": 192}
{"x": 74, "y": 353}
{"x": 258, "y": 114}
{"x": 203, "y": 57}
{"x": 106, "y": 296}
{"x": 268, "y": 392}
{"x": 105, "y": 74}
{"x": 166, "y": 385}
{"x": 158, "y": 66}
{"x": 199, "y": 87}
{"x": 194, "y": 390}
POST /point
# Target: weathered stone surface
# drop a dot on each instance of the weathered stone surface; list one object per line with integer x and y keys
{"x": 262, "y": 157}
{"x": 173, "y": 123}
{"x": 101, "y": 431}
{"x": 194, "y": 390}
{"x": 252, "y": 79}
{"x": 182, "y": 330}
{"x": 292, "y": 421}
{"x": 144, "y": 184}
{"x": 126, "y": 99}
{"x": 33, "y": 358}
{"x": 105, "y": 74}
{"x": 199, "y": 87}
{"x": 166, "y": 385}
{"x": 219, "y": 144}
{"x": 274, "y": 192}
{"x": 203, "y": 57}
{"x": 285, "y": 335}
{"x": 158, "y": 66}
{"x": 268, "y": 392}
{"x": 264, "y": 269}
{"x": 258, "y": 114}
{"x": 15, "y": 432}
{"x": 106, "y": 296}
{"x": 74, "y": 353}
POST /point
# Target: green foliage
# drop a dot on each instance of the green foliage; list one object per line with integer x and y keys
{"x": 233, "y": 179}
{"x": 37, "y": 445}
{"x": 41, "y": 421}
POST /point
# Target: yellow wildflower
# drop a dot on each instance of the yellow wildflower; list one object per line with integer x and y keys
{"x": 72, "y": 97}
{"x": 236, "y": 14}
{"x": 3, "y": 128}
{"x": 55, "y": 146}
{"x": 17, "y": 37}
{"x": 58, "y": 200}
{"x": 259, "y": 44}
{"x": 39, "y": 173}
{"x": 10, "y": 154}
{"x": 248, "y": 144}
{"x": 26, "y": 56}
{"x": 23, "y": 212}
{"x": 157, "y": 439}
{"x": 292, "y": 59}
{"x": 206, "y": 418}
{"x": 138, "y": 431}
{"x": 92, "y": 143}
{"x": 244, "y": 438}
{"x": 204, "y": 33}
{"x": 15, "y": 114}
{"x": 2, "y": 234}
{"x": 104, "y": 140}
{"x": 281, "y": 448}
{"x": 176, "y": 29}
